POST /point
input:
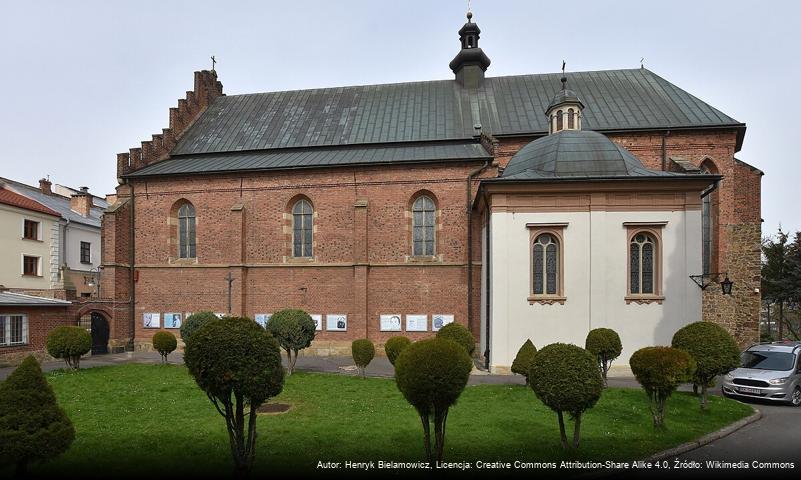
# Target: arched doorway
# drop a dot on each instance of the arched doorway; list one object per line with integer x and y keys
{"x": 97, "y": 325}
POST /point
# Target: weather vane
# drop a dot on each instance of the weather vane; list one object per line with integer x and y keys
{"x": 213, "y": 62}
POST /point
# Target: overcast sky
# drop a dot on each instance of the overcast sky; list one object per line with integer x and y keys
{"x": 83, "y": 80}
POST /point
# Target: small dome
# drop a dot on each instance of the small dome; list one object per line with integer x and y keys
{"x": 575, "y": 153}
{"x": 564, "y": 96}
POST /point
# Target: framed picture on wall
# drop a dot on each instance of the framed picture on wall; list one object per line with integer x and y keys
{"x": 439, "y": 320}
{"x": 262, "y": 319}
{"x": 318, "y": 321}
{"x": 416, "y": 323}
{"x": 336, "y": 322}
{"x": 391, "y": 323}
{"x": 151, "y": 320}
{"x": 173, "y": 320}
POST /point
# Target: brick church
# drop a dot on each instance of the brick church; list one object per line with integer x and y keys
{"x": 533, "y": 206}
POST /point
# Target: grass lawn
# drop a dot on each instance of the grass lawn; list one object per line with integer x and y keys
{"x": 149, "y": 419}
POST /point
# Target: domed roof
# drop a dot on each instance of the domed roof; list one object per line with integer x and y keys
{"x": 564, "y": 96}
{"x": 575, "y": 153}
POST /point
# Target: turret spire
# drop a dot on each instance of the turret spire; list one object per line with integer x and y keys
{"x": 471, "y": 62}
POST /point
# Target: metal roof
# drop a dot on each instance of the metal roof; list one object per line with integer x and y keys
{"x": 440, "y": 110}
{"x": 14, "y": 199}
{"x": 314, "y": 157}
{"x": 21, "y": 300}
{"x": 55, "y": 202}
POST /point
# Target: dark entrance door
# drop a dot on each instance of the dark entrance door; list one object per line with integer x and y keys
{"x": 99, "y": 334}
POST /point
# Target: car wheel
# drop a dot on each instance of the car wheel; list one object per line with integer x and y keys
{"x": 795, "y": 400}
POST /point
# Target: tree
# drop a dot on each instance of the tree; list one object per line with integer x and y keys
{"x": 164, "y": 343}
{"x": 566, "y": 379}
{"x": 781, "y": 282}
{"x": 394, "y": 346}
{"x": 194, "y": 322}
{"x": 605, "y": 344}
{"x": 459, "y": 334}
{"x": 523, "y": 359}
{"x": 294, "y": 330}
{"x": 32, "y": 426}
{"x": 363, "y": 352}
{"x": 714, "y": 350}
{"x": 660, "y": 370}
{"x": 69, "y": 343}
{"x": 238, "y": 364}
{"x": 431, "y": 374}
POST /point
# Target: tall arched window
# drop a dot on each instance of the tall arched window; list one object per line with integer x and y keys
{"x": 559, "y": 121}
{"x": 571, "y": 119}
{"x": 302, "y": 228}
{"x": 186, "y": 231}
{"x": 423, "y": 226}
{"x": 706, "y": 229}
{"x": 642, "y": 264}
{"x": 546, "y": 265}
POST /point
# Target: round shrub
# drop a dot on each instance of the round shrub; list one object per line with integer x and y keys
{"x": 294, "y": 330}
{"x": 605, "y": 344}
{"x": 394, "y": 346}
{"x": 32, "y": 425}
{"x": 431, "y": 374}
{"x": 459, "y": 334}
{"x": 164, "y": 343}
{"x": 714, "y": 350}
{"x": 69, "y": 343}
{"x": 523, "y": 359}
{"x": 363, "y": 352}
{"x": 660, "y": 370}
{"x": 193, "y": 324}
{"x": 238, "y": 365}
{"x": 566, "y": 379}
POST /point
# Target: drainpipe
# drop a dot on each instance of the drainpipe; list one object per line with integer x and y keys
{"x": 487, "y": 290}
{"x": 664, "y": 149}
{"x": 131, "y": 271}
{"x": 469, "y": 209}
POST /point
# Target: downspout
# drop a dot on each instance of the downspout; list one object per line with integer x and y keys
{"x": 487, "y": 279}
{"x": 469, "y": 209}
{"x": 131, "y": 271}
{"x": 664, "y": 149}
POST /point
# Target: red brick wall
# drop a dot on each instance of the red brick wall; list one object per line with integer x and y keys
{"x": 41, "y": 320}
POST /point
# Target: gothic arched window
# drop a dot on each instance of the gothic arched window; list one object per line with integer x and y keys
{"x": 302, "y": 228}
{"x": 643, "y": 264}
{"x": 423, "y": 226}
{"x": 559, "y": 121}
{"x": 707, "y": 231}
{"x": 571, "y": 119}
{"x": 545, "y": 275}
{"x": 186, "y": 231}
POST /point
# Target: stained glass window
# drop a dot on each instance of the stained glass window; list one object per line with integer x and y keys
{"x": 706, "y": 230}
{"x": 642, "y": 260}
{"x": 423, "y": 226}
{"x": 186, "y": 231}
{"x": 545, "y": 265}
{"x": 302, "y": 228}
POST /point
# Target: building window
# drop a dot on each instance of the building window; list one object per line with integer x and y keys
{"x": 30, "y": 266}
{"x": 13, "y": 330}
{"x": 86, "y": 252}
{"x": 186, "y": 231}
{"x": 424, "y": 214}
{"x": 30, "y": 230}
{"x": 644, "y": 259}
{"x": 571, "y": 119}
{"x": 302, "y": 229}
{"x": 547, "y": 263}
{"x": 559, "y": 121}
{"x": 707, "y": 231}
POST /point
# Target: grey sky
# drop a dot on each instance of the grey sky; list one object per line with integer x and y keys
{"x": 84, "y": 80}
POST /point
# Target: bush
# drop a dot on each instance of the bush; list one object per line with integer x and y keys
{"x": 432, "y": 374}
{"x": 193, "y": 324}
{"x": 238, "y": 364}
{"x": 32, "y": 425}
{"x": 294, "y": 330}
{"x": 566, "y": 379}
{"x": 394, "y": 346}
{"x": 660, "y": 370}
{"x": 363, "y": 352}
{"x": 523, "y": 359}
{"x": 69, "y": 343}
{"x": 164, "y": 343}
{"x": 460, "y": 335}
{"x": 605, "y": 344}
{"x": 714, "y": 350}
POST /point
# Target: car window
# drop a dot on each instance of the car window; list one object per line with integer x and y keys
{"x": 768, "y": 360}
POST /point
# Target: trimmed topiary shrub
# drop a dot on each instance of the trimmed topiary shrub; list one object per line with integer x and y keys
{"x": 238, "y": 364}
{"x": 164, "y": 343}
{"x": 363, "y": 352}
{"x": 394, "y": 346}
{"x": 523, "y": 359}
{"x": 660, "y": 370}
{"x": 605, "y": 344}
{"x": 714, "y": 350}
{"x": 194, "y": 322}
{"x": 566, "y": 379}
{"x": 432, "y": 374}
{"x": 69, "y": 343}
{"x": 294, "y": 330}
{"x": 459, "y": 334}
{"x": 33, "y": 427}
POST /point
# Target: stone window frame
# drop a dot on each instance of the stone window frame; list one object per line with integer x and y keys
{"x": 557, "y": 230}
{"x": 5, "y": 330}
{"x": 655, "y": 229}
{"x": 174, "y": 228}
{"x": 289, "y": 230}
{"x": 437, "y": 256}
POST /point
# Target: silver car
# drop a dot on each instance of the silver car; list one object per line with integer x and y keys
{"x": 770, "y": 371}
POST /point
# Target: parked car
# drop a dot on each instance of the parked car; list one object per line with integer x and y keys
{"x": 770, "y": 371}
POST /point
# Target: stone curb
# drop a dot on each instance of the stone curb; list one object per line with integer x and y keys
{"x": 706, "y": 439}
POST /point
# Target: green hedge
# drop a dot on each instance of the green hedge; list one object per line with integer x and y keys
{"x": 164, "y": 343}
{"x": 523, "y": 359}
{"x": 459, "y": 334}
{"x": 660, "y": 370}
{"x": 69, "y": 343}
{"x": 363, "y": 352}
{"x": 394, "y": 346}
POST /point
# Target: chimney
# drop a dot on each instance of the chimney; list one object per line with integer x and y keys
{"x": 81, "y": 202}
{"x": 45, "y": 186}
